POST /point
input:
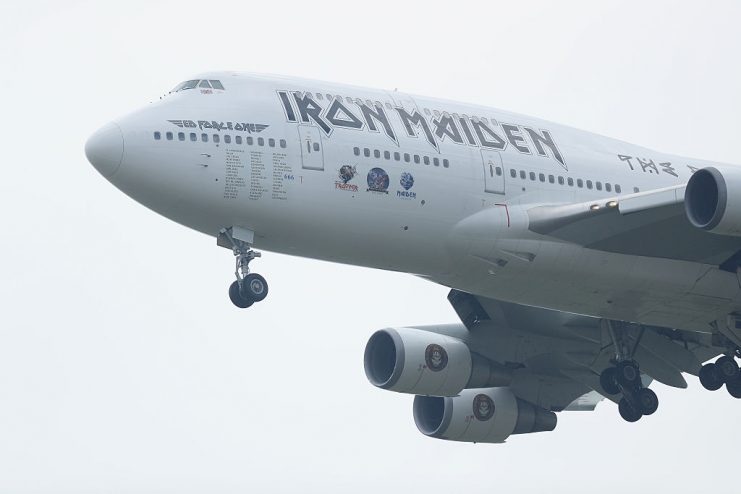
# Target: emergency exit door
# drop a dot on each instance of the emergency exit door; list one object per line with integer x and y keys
{"x": 493, "y": 171}
{"x": 312, "y": 151}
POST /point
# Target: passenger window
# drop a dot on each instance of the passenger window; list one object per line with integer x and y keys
{"x": 498, "y": 171}
{"x": 636, "y": 190}
{"x": 589, "y": 184}
{"x": 598, "y": 185}
{"x": 356, "y": 151}
{"x": 397, "y": 156}
{"x": 193, "y": 137}
{"x": 261, "y": 141}
{"x": 283, "y": 143}
{"x": 181, "y": 136}
{"x": 316, "y": 146}
{"x": 388, "y": 105}
{"x": 436, "y": 161}
{"x": 541, "y": 176}
{"x": 407, "y": 158}
{"x": 238, "y": 139}
{"x": 271, "y": 142}
{"x": 617, "y": 188}
{"x": 570, "y": 181}
{"x": 157, "y": 136}
{"x": 513, "y": 173}
{"x": 217, "y": 84}
{"x": 560, "y": 180}
{"x": 319, "y": 96}
{"x": 426, "y": 160}
{"x": 523, "y": 175}
{"x": 227, "y": 139}
{"x": 416, "y": 159}
{"x": 387, "y": 155}
{"x": 205, "y": 84}
{"x": 366, "y": 152}
{"x": 204, "y": 137}
{"x": 376, "y": 153}
{"x": 169, "y": 136}
{"x": 608, "y": 187}
{"x": 551, "y": 179}
{"x": 250, "y": 141}
{"x": 579, "y": 183}
{"x": 216, "y": 138}
{"x": 532, "y": 176}
{"x": 446, "y": 164}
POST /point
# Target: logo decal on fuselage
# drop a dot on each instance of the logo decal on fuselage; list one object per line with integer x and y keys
{"x": 406, "y": 182}
{"x": 214, "y": 125}
{"x": 300, "y": 107}
{"x": 345, "y": 175}
{"x": 378, "y": 180}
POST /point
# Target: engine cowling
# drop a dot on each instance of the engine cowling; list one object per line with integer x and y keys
{"x": 712, "y": 200}
{"x": 422, "y": 362}
{"x": 487, "y": 415}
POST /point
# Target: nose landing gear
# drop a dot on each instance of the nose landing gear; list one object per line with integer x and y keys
{"x": 248, "y": 287}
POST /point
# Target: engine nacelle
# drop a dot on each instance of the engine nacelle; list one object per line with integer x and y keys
{"x": 712, "y": 200}
{"x": 488, "y": 415}
{"x": 422, "y": 362}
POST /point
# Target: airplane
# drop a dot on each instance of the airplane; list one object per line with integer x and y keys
{"x": 581, "y": 267}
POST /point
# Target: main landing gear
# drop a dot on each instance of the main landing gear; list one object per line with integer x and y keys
{"x": 624, "y": 377}
{"x": 725, "y": 370}
{"x": 248, "y": 287}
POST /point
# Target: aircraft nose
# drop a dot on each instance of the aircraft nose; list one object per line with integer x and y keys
{"x": 105, "y": 149}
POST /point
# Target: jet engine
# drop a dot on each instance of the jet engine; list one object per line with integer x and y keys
{"x": 487, "y": 415}
{"x": 712, "y": 200}
{"x": 423, "y": 362}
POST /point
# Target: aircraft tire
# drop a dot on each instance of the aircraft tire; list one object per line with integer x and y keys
{"x": 254, "y": 287}
{"x": 237, "y": 298}
{"x": 734, "y": 388}
{"x": 727, "y": 368}
{"x": 627, "y": 412}
{"x": 607, "y": 381}
{"x": 710, "y": 378}
{"x": 648, "y": 401}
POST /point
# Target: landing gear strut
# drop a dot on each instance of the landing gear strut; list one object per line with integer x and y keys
{"x": 248, "y": 287}
{"x": 725, "y": 370}
{"x": 625, "y": 377}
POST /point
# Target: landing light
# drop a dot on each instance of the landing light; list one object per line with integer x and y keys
{"x": 594, "y": 207}
{"x": 612, "y": 204}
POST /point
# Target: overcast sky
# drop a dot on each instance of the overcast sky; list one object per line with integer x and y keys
{"x": 125, "y": 368}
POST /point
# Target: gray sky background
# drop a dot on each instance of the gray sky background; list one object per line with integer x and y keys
{"x": 124, "y": 367}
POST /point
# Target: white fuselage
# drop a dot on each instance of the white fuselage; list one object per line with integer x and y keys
{"x": 393, "y": 181}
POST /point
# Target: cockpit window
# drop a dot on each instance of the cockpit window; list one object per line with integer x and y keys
{"x": 201, "y": 83}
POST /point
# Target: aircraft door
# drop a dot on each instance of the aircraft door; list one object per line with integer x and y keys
{"x": 312, "y": 149}
{"x": 493, "y": 171}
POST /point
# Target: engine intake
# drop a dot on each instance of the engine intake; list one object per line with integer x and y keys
{"x": 488, "y": 415}
{"x": 423, "y": 362}
{"x": 712, "y": 200}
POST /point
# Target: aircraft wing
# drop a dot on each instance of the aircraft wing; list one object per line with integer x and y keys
{"x": 651, "y": 224}
{"x": 556, "y": 358}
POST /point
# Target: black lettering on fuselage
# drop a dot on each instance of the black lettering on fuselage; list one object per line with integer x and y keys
{"x": 545, "y": 138}
{"x": 378, "y": 114}
{"x": 309, "y": 111}
{"x": 341, "y": 116}
{"x": 414, "y": 120}
{"x": 445, "y": 127}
